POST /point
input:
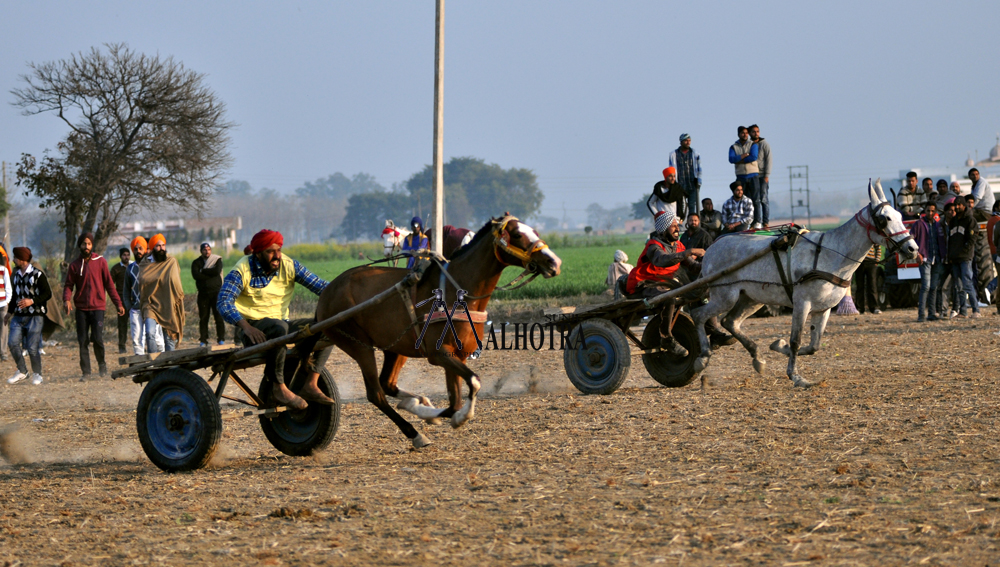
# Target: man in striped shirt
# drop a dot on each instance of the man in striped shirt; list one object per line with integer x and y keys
{"x": 255, "y": 297}
{"x": 737, "y": 211}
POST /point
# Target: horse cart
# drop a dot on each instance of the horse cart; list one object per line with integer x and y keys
{"x": 603, "y": 336}
{"x": 179, "y": 420}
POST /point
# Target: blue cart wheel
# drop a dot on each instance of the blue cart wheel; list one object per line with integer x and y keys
{"x": 178, "y": 421}
{"x": 302, "y": 433}
{"x": 600, "y": 362}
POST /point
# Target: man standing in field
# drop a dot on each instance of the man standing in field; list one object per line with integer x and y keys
{"x": 764, "y": 174}
{"x": 118, "y": 273}
{"x": 132, "y": 300}
{"x": 207, "y": 272}
{"x": 27, "y": 316}
{"x": 668, "y": 195}
{"x": 687, "y": 163}
{"x": 5, "y": 291}
{"x": 255, "y": 297}
{"x": 744, "y": 155}
{"x": 962, "y": 232}
{"x": 161, "y": 293}
{"x": 89, "y": 276}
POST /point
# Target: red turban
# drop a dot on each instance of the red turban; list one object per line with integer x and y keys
{"x": 668, "y": 171}
{"x": 22, "y": 254}
{"x": 262, "y": 240}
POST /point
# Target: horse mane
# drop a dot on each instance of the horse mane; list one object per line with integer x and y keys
{"x": 480, "y": 234}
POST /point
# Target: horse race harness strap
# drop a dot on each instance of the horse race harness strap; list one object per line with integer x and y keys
{"x": 788, "y": 241}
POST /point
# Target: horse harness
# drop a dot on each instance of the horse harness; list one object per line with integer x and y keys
{"x": 785, "y": 243}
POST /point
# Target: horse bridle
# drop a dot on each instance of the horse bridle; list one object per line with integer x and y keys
{"x": 879, "y": 225}
{"x": 501, "y": 241}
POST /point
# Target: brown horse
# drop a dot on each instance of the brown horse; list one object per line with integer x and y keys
{"x": 389, "y": 326}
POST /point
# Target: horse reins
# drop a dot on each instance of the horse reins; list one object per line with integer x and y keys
{"x": 880, "y": 227}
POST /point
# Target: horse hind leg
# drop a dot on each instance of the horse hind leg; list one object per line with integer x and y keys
{"x": 733, "y": 322}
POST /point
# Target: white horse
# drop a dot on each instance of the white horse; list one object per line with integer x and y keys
{"x": 817, "y": 274}
{"x": 392, "y": 239}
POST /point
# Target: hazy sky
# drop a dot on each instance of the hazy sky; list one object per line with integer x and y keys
{"x": 590, "y": 95}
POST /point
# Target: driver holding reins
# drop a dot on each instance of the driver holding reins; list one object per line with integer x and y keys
{"x": 255, "y": 297}
{"x": 659, "y": 270}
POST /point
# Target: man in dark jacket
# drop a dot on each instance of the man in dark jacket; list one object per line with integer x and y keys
{"x": 711, "y": 219}
{"x": 668, "y": 195}
{"x": 695, "y": 236}
{"x": 207, "y": 272}
{"x": 118, "y": 272}
{"x": 962, "y": 233}
{"x": 89, "y": 276}
{"x": 27, "y": 316}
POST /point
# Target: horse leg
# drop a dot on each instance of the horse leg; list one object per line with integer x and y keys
{"x": 373, "y": 390}
{"x": 455, "y": 369}
{"x": 817, "y": 328}
{"x": 388, "y": 379}
{"x": 799, "y": 314}
{"x": 720, "y": 301}
{"x": 744, "y": 308}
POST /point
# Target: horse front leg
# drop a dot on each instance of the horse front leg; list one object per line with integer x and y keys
{"x": 817, "y": 328}
{"x": 408, "y": 401}
{"x": 799, "y": 314}
{"x": 733, "y": 322}
{"x": 455, "y": 369}
{"x": 721, "y": 300}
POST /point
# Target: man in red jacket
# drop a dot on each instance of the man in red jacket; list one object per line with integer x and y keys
{"x": 90, "y": 277}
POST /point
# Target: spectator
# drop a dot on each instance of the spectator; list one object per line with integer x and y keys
{"x": 118, "y": 272}
{"x": 132, "y": 299}
{"x": 711, "y": 219}
{"x": 962, "y": 231}
{"x": 909, "y": 201}
{"x": 89, "y": 276}
{"x": 867, "y": 282}
{"x": 207, "y": 272}
{"x": 927, "y": 191}
{"x": 5, "y": 291}
{"x": 926, "y": 241}
{"x": 620, "y": 267}
{"x": 26, "y": 318}
{"x": 695, "y": 236}
{"x": 744, "y": 154}
{"x": 667, "y": 195}
{"x": 416, "y": 241}
{"x": 737, "y": 211}
{"x": 687, "y": 163}
{"x": 940, "y": 268}
{"x": 764, "y": 165}
{"x": 161, "y": 293}
{"x": 982, "y": 196}
{"x": 943, "y": 197}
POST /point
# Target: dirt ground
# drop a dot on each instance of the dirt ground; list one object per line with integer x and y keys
{"x": 892, "y": 460}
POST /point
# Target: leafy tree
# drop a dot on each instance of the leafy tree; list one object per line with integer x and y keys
{"x": 475, "y": 191}
{"x": 367, "y": 212}
{"x": 144, "y": 132}
{"x": 323, "y": 201}
{"x": 639, "y": 208}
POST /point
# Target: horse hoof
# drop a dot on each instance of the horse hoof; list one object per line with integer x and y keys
{"x": 433, "y": 421}
{"x": 420, "y": 441}
{"x": 700, "y": 364}
{"x": 758, "y": 366}
{"x": 779, "y": 346}
{"x": 800, "y": 382}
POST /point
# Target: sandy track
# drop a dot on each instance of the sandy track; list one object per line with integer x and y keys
{"x": 892, "y": 460}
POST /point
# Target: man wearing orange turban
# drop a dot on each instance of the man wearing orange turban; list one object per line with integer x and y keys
{"x": 667, "y": 195}
{"x": 255, "y": 297}
{"x": 161, "y": 297}
{"x": 131, "y": 299}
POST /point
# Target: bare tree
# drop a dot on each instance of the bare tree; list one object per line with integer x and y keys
{"x": 144, "y": 132}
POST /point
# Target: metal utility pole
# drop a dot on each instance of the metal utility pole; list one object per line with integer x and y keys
{"x": 800, "y": 173}
{"x": 439, "y": 129}
{"x": 6, "y": 216}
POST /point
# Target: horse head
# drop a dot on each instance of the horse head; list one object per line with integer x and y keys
{"x": 889, "y": 230}
{"x": 518, "y": 244}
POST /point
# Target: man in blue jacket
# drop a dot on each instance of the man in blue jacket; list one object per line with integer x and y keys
{"x": 744, "y": 154}
{"x": 416, "y": 241}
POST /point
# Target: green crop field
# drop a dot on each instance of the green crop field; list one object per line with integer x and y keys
{"x": 584, "y": 270}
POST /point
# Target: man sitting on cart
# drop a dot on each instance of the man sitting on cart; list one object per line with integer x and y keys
{"x": 255, "y": 297}
{"x": 663, "y": 266}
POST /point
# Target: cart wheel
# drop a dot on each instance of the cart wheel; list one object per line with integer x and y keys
{"x": 670, "y": 370}
{"x": 601, "y": 365}
{"x": 302, "y": 433}
{"x": 178, "y": 421}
